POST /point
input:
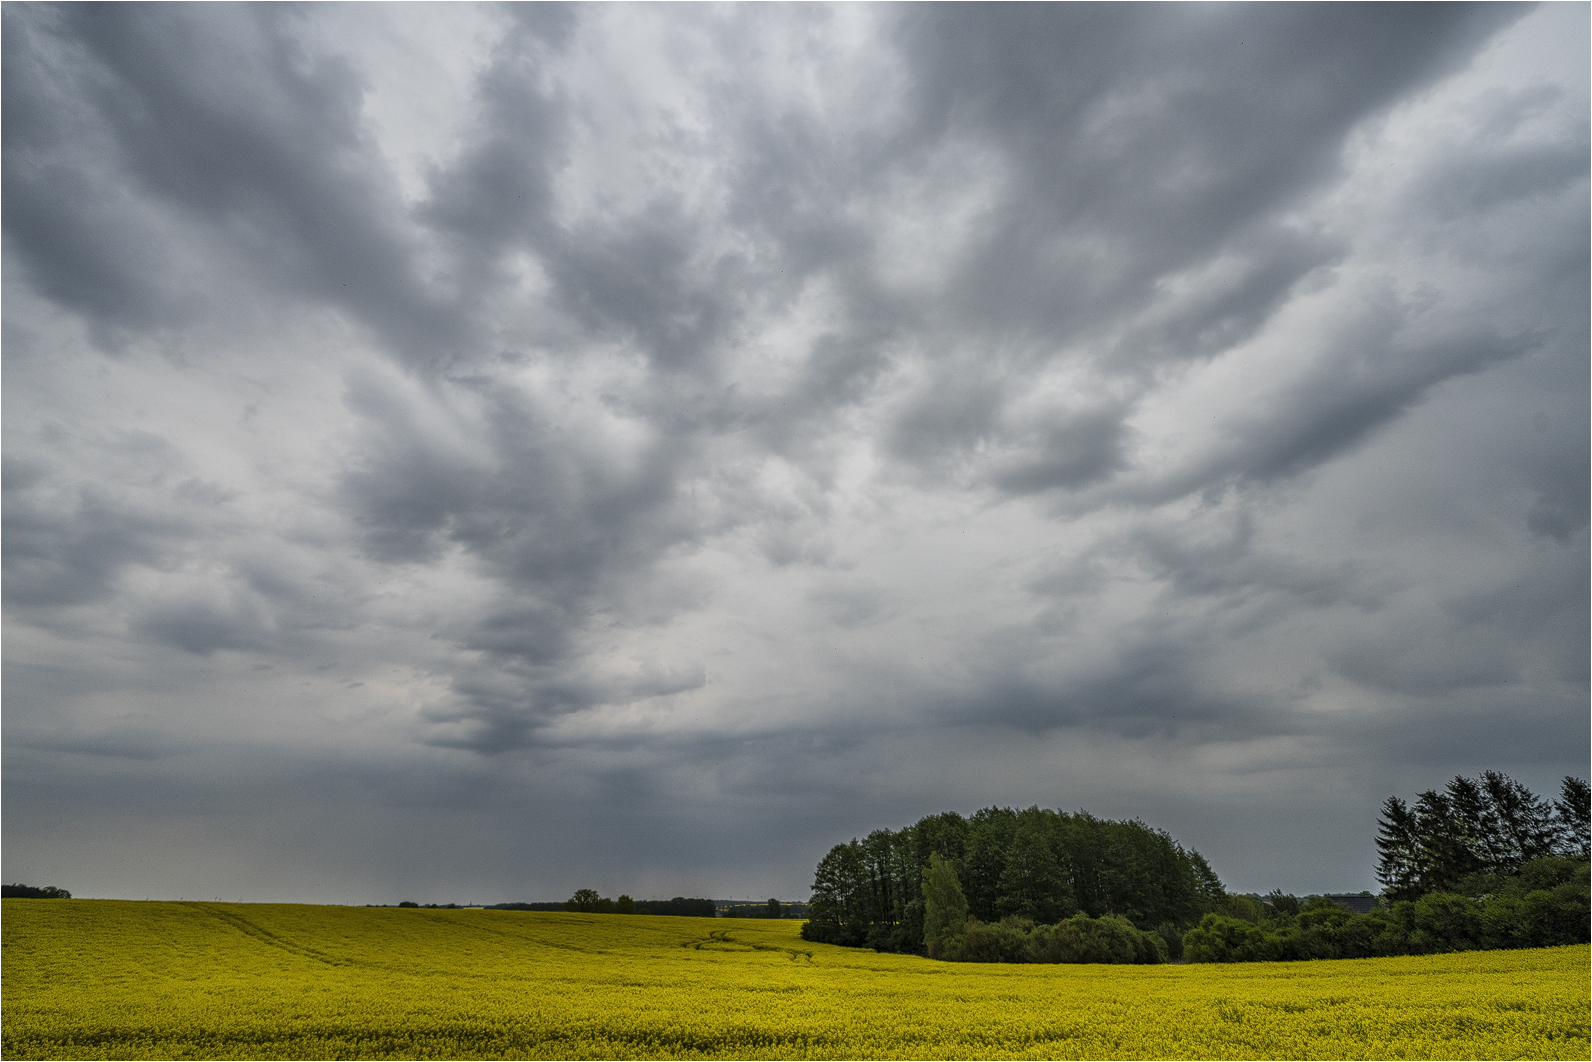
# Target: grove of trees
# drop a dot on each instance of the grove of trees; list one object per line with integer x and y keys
{"x": 1490, "y": 825}
{"x": 1008, "y": 885}
{"x": 1484, "y": 863}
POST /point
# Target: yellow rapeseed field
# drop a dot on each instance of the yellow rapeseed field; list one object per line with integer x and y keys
{"x": 122, "y": 979}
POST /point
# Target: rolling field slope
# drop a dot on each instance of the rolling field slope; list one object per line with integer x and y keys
{"x": 123, "y": 979}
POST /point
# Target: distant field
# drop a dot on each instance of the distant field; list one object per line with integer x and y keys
{"x": 123, "y": 979}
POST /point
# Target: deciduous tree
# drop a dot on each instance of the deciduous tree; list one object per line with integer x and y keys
{"x": 944, "y": 905}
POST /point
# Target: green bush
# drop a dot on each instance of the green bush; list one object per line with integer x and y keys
{"x": 1079, "y": 939}
{"x": 1110, "y": 938}
{"x": 1172, "y": 938}
{"x": 1446, "y": 921}
{"x": 1550, "y": 872}
{"x": 1220, "y": 938}
{"x": 1003, "y": 941}
{"x": 1240, "y": 907}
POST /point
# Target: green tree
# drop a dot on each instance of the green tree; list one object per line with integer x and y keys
{"x": 944, "y": 905}
{"x": 1282, "y": 903}
{"x": 990, "y": 834}
{"x": 1573, "y": 809}
{"x": 1207, "y": 886}
{"x": 773, "y": 910}
{"x": 1398, "y": 845}
{"x": 586, "y": 900}
{"x": 1033, "y": 885}
{"x": 945, "y": 833}
{"x": 838, "y": 910}
{"x": 1474, "y": 830}
{"x": 624, "y": 905}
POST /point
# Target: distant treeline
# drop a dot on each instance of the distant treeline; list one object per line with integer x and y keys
{"x": 589, "y": 901}
{"x": 1006, "y": 885}
{"x": 30, "y": 892}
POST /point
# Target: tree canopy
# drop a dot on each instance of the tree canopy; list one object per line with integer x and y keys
{"x": 1033, "y": 867}
{"x": 1488, "y": 825}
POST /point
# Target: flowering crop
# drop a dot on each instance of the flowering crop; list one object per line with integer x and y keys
{"x": 123, "y": 979}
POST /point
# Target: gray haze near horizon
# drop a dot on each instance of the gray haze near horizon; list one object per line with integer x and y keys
{"x": 473, "y": 453}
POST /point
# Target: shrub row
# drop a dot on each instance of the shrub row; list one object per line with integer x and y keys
{"x": 1108, "y": 939}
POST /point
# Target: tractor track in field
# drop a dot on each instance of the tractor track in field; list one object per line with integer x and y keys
{"x": 720, "y": 940}
{"x": 263, "y": 935}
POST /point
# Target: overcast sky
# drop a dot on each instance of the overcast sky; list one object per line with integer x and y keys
{"x": 467, "y": 453}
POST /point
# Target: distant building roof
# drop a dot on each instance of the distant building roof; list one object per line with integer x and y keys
{"x": 1357, "y": 904}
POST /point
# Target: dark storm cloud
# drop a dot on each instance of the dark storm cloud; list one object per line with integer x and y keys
{"x": 223, "y": 118}
{"x": 411, "y": 486}
{"x": 1068, "y": 247}
{"x": 1502, "y": 176}
{"x": 499, "y": 193}
{"x": 1370, "y": 381}
{"x": 1562, "y": 505}
{"x": 200, "y": 627}
{"x": 1075, "y": 100}
{"x": 679, "y": 419}
{"x": 636, "y": 278}
{"x": 559, "y": 529}
{"x": 1229, "y": 567}
{"x": 83, "y": 240}
{"x": 1149, "y": 686}
{"x": 953, "y": 414}
{"x": 1258, "y": 271}
{"x": 539, "y": 512}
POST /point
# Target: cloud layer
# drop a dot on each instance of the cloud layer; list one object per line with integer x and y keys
{"x": 487, "y": 452}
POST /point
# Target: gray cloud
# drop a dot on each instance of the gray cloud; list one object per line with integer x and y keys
{"x": 1074, "y": 103}
{"x": 741, "y": 428}
{"x": 227, "y": 122}
{"x": 1073, "y": 453}
{"x": 66, "y": 542}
